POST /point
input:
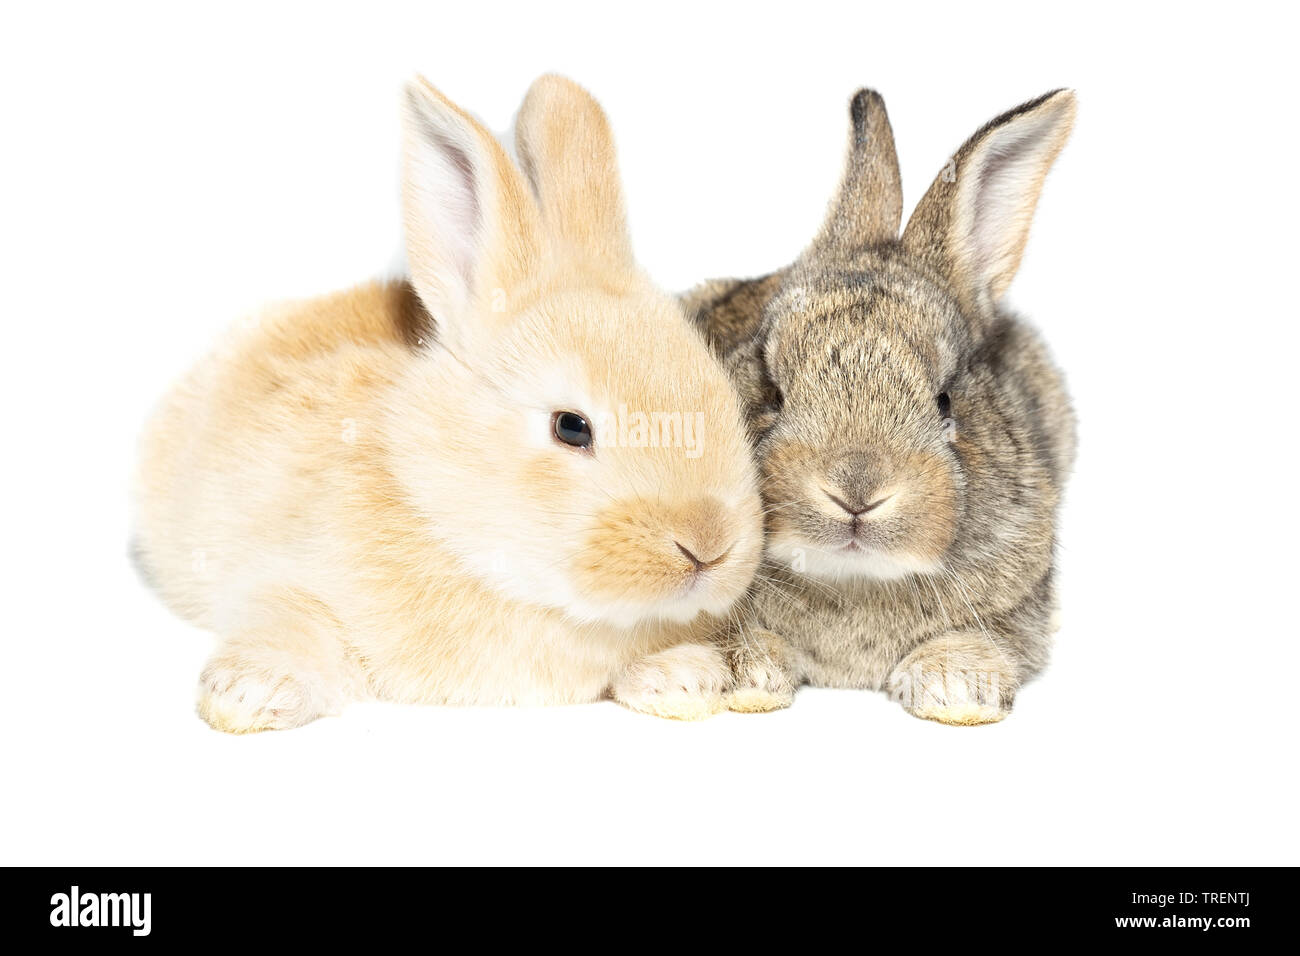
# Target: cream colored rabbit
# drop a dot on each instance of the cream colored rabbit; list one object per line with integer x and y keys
{"x": 520, "y": 479}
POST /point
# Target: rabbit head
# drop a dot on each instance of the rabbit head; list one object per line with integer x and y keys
{"x": 563, "y": 430}
{"x": 868, "y": 447}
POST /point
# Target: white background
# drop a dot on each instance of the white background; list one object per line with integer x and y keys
{"x": 166, "y": 170}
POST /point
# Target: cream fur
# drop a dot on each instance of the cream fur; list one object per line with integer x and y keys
{"x": 356, "y": 515}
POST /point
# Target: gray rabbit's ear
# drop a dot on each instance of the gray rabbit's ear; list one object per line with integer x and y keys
{"x": 974, "y": 220}
{"x": 869, "y": 206}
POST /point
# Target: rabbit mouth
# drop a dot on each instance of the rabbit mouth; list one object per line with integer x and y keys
{"x": 856, "y": 547}
{"x": 707, "y": 581}
{"x": 859, "y": 559}
{"x": 845, "y": 557}
{"x": 857, "y": 537}
{"x": 697, "y": 581}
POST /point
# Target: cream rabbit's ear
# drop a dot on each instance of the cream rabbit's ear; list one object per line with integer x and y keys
{"x": 472, "y": 228}
{"x": 567, "y": 152}
{"x": 869, "y": 205}
{"x": 974, "y": 220}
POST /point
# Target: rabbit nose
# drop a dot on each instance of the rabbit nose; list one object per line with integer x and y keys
{"x": 703, "y": 533}
{"x": 857, "y": 510}
{"x": 699, "y": 565}
{"x": 856, "y": 480}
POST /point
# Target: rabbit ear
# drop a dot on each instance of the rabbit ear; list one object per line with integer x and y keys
{"x": 472, "y": 230}
{"x": 974, "y": 220}
{"x": 869, "y": 205}
{"x": 567, "y": 152}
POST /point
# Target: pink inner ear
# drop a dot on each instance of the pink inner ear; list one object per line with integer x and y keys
{"x": 1000, "y": 203}
{"x": 463, "y": 211}
{"x": 444, "y": 185}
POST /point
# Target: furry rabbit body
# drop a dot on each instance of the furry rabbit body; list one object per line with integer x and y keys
{"x": 913, "y": 436}
{"x": 378, "y": 494}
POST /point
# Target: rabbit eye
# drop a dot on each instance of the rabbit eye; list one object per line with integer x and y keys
{"x": 572, "y": 429}
{"x": 945, "y": 405}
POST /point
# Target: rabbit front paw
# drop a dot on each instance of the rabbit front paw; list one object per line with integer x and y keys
{"x": 241, "y": 695}
{"x": 760, "y": 674}
{"x": 685, "y": 682}
{"x": 962, "y": 679}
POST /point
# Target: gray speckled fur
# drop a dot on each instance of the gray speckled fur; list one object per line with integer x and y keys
{"x": 845, "y": 352}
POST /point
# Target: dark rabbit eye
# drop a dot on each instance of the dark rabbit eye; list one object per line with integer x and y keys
{"x": 945, "y": 405}
{"x": 571, "y": 428}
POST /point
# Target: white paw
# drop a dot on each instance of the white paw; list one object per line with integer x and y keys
{"x": 760, "y": 685}
{"x": 682, "y": 683}
{"x": 758, "y": 699}
{"x": 949, "y": 695}
{"x": 760, "y": 681}
{"x": 240, "y": 698}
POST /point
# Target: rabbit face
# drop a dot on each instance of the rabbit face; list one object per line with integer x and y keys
{"x": 602, "y": 471}
{"x": 667, "y": 517}
{"x": 568, "y": 435}
{"x": 858, "y": 461}
{"x": 855, "y": 369}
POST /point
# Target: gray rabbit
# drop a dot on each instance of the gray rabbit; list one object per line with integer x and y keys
{"x": 912, "y": 435}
